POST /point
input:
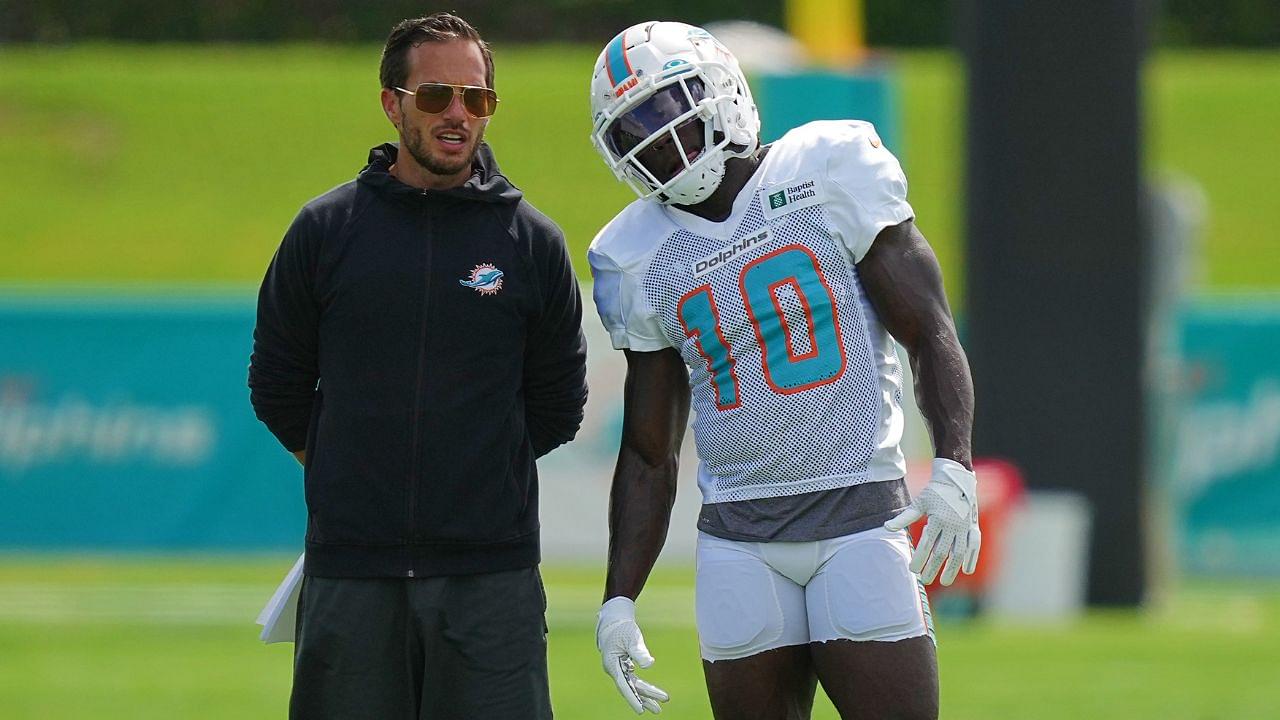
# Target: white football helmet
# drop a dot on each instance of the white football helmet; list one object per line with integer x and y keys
{"x": 669, "y": 105}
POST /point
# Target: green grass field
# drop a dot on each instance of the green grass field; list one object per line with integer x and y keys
{"x": 187, "y": 163}
{"x": 174, "y": 638}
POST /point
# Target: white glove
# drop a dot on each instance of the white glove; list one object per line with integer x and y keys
{"x": 951, "y": 502}
{"x": 621, "y": 649}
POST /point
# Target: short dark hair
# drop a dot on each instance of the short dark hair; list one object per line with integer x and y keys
{"x": 437, "y": 27}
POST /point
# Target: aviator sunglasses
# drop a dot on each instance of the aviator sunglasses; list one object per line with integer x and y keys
{"x": 435, "y": 98}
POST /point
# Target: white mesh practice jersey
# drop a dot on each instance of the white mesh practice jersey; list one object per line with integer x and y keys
{"x": 796, "y": 386}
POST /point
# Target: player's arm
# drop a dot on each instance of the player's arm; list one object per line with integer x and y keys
{"x": 903, "y": 281}
{"x": 655, "y": 413}
{"x": 656, "y": 409}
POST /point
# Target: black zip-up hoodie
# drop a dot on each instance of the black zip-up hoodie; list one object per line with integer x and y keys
{"x": 423, "y": 347}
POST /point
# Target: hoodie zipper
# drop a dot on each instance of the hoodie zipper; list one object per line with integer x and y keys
{"x": 418, "y": 390}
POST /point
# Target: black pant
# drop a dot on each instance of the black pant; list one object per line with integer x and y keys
{"x": 465, "y": 647}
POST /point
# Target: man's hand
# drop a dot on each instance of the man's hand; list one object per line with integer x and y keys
{"x": 950, "y": 500}
{"x": 621, "y": 649}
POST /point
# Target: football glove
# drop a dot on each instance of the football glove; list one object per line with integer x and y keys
{"x": 950, "y": 501}
{"x": 621, "y": 649}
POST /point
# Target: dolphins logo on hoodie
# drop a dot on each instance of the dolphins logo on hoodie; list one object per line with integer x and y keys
{"x": 485, "y": 279}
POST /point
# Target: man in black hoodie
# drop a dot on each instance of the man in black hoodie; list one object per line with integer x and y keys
{"x": 418, "y": 345}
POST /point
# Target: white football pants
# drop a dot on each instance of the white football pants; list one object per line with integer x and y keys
{"x": 756, "y": 596}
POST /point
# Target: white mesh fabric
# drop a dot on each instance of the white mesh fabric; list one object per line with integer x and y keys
{"x": 798, "y": 333}
{"x": 773, "y": 444}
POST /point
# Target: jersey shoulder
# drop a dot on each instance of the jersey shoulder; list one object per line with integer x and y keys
{"x": 620, "y": 255}
{"x": 844, "y": 165}
{"x": 630, "y": 239}
{"x": 849, "y": 152}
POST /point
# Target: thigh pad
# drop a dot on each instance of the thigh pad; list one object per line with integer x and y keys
{"x": 743, "y": 606}
{"x": 865, "y": 590}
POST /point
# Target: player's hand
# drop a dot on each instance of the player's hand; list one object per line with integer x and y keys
{"x": 621, "y": 649}
{"x": 950, "y": 500}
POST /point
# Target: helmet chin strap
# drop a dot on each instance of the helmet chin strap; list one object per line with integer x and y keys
{"x": 693, "y": 188}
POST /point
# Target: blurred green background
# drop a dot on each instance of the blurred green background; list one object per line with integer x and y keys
{"x": 179, "y": 164}
{"x": 186, "y": 163}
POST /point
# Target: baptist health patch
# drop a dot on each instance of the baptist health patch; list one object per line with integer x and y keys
{"x": 792, "y": 195}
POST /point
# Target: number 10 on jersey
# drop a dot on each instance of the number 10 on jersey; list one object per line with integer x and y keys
{"x": 786, "y": 370}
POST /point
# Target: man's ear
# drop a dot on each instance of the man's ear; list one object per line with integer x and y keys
{"x": 391, "y": 106}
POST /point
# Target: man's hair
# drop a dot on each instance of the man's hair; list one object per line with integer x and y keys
{"x": 438, "y": 27}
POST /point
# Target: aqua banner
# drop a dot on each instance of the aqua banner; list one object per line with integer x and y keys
{"x": 125, "y": 424}
{"x": 1226, "y": 487}
{"x": 790, "y": 99}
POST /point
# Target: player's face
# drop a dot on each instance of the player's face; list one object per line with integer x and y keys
{"x": 443, "y": 143}
{"x": 662, "y": 156}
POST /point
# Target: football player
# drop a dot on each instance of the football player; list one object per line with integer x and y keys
{"x": 766, "y": 284}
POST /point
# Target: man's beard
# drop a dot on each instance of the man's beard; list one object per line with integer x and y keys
{"x": 412, "y": 141}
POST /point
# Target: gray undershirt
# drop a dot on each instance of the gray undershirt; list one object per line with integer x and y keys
{"x": 809, "y": 516}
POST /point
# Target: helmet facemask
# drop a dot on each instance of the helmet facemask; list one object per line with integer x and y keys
{"x": 670, "y": 137}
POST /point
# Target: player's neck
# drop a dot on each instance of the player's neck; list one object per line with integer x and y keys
{"x": 737, "y": 172}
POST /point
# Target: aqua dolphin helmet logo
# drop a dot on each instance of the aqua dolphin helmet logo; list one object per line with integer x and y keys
{"x": 485, "y": 279}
